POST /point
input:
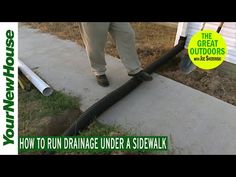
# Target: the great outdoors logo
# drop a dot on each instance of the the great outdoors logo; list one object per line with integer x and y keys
{"x": 207, "y": 49}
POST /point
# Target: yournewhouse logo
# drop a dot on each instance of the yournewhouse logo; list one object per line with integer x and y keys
{"x": 8, "y": 89}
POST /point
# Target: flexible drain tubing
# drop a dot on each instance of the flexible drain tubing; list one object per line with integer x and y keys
{"x": 102, "y": 105}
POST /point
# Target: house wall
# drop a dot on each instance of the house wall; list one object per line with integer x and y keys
{"x": 228, "y": 31}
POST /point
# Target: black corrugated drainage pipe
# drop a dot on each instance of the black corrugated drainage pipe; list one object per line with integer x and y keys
{"x": 102, "y": 105}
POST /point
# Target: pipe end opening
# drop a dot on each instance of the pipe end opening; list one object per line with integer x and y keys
{"x": 47, "y": 91}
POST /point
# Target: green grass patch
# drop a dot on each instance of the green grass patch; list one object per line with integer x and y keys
{"x": 48, "y": 115}
{"x": 98, "y": 129}
{"x": 36, "y": 111}
{"x": 33, "y": 104}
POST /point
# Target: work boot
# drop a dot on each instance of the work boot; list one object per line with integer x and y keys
{"x": 142, "y": 75}
{"x": 102, "y": 80}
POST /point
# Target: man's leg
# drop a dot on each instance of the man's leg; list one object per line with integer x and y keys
{"x": 94, "y": 36}
{"x": 124, "y": 37}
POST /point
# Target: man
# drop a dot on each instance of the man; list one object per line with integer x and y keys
{"x": 94, "y": 35}
{"x": 186, "y": 65}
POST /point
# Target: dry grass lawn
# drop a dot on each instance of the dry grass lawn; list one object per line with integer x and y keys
{"x": 152, "y": 40}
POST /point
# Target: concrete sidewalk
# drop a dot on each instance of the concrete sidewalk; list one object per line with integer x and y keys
{"x": 64, "y": 65}
{"x": 195, "y": 122}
